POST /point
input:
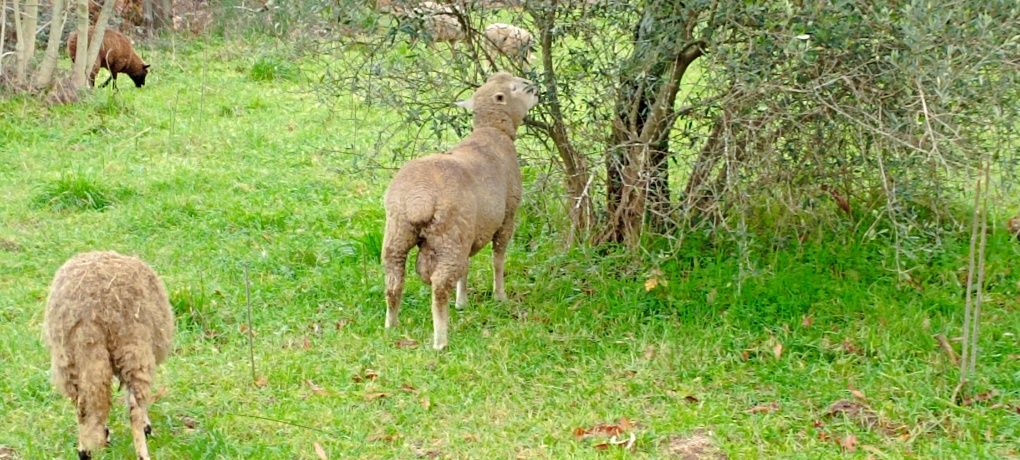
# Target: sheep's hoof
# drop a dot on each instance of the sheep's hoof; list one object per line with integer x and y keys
{"x": 148, "y": 430}
{"x": 499, "y": 296}
{"x": 438, "y": 346}
{"x": 84, "y": 455}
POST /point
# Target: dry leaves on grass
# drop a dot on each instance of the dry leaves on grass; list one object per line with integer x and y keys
{"x": 604, "y": 429}
{"x": 317, "y": 390}
{"x": 777, "y": 350}
{"x": 864, "y": 416}
{"x": 374, "y": 396}
{"x": 8, "y": 453}
{"x": 407, "y": 387}
{"x": 407, "y": 343}
{"x": 626, "y": 442}
{"x": 978, "y": 398}
{"x": 848, "y": 443}
{"x": 655, "y": 279}
{"x": 766, "y": 408}
{"x": 261, "y": 381}
{"x": 319, "y": 451}
{"x": 696, "y": 446}
{"x": 366, "y": 375}
{"x": 385, "y": 437}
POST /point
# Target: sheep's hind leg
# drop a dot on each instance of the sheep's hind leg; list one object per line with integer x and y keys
{"x": 140, "y": 427}
{"x": 447, "y": 274}
{"x": 397, "y": 242}
{"x": 499, "y": 245}
{"x": 462, "y": 292}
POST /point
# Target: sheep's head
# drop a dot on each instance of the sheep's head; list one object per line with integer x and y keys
{"x": 502, "y": 102}
{"x": 139, "y": 77}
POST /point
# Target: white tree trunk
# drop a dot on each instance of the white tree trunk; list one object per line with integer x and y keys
{"x": 3, "y": 32}
{"x": 44, "y": 76}
{"x": 79, "y": 72}
{"x": 29, "y": 24}
{"x": 96, "y": 40}
{"x": 19, "y": 45}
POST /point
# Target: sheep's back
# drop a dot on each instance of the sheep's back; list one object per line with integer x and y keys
{"x": 119, "y": 296}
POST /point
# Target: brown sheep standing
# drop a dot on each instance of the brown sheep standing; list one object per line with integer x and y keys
{"x": 107, "y": 315}
{"x": 453, "y": 204}
{"x": 116, "y": 55}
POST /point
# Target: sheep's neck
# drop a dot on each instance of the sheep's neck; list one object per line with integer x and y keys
{"x": 497, "y": 119}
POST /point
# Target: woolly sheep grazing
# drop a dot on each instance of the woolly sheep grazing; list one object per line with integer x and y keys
{"x": 107, "y": 315}
{"x": 451, "y": 205}
{"x": 510, "y": 40}
{"x": 116, "y": 55}
{"x": 439, "y": 21}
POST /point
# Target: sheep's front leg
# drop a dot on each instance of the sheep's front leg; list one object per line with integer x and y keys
{"x": 462, "y": 293}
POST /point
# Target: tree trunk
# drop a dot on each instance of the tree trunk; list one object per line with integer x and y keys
{"x": 164, "y": 18}
{"x": 575, "y": 165}
{"x": 639, "y": 161}
{"x": 148, "y": 16}
{"x": 44, "y": 76}
{"x": 79, "y": 71}
{"x": 3, "y": 33}
{"x": 96, "y": 40}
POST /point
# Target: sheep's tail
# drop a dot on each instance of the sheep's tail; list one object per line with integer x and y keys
{"x": 88, "y": 345}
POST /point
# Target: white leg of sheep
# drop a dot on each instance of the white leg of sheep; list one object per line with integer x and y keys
{"x": 462, "y": 292}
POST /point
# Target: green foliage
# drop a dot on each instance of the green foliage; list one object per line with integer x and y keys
{"x": 272, "y": 67}
{"x": 75, "y": 192}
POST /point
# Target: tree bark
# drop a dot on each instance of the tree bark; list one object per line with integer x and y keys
{"x": 575, "y": 165}
{"x": 96, "y": 40}
{"x": 79, "y": 71}
{"x": 44, "y": 76}
{"x": 3, "y": 32}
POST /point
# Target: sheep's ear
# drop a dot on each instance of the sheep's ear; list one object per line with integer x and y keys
{"x": 499, "y": 98}
{"x": 467, "y": 103}
{"x": 146, "y": 66}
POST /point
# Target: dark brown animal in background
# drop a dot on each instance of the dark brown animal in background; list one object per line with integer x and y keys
{"x": 107, "y": 316}
{"x": 1014, "y": 226}
{"x": 116, "y": 55}
{"x": 451, "y": 205}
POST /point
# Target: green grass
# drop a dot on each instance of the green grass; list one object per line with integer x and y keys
{"x": 214, "y": 168}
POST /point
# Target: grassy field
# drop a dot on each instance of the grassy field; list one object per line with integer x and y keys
{"x": 222, "y": 164}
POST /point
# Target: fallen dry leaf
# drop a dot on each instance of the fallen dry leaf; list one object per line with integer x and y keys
{"x": 306, "y": 343}
{"x": 978, "y": 398}
{"x": 409, "y": 388}
{"x": 382, "y": 437}
{"x": 320, "y": 451}
{"x": 766, "y": 408}
{"x": 374, "y": 396}
{"x": 651, "y": 283}
{"x": 315, "y": 388}
{"x": 691, "y": 399}
{"x": 856, "y": 393}
{"x": 8, "y": 453}
{"x": 407, "y": 343}
{"x": 261, "y": 381}
{"x": 807, "y": 321}
{"x": 605, "y": 429}
{"x": 189, "y": 422}
{"x": 745, "y": 355}
{"x": 368, "y": 374}
{"x": 848, "y": 443}
{"x": 626, "y": 442}
{"x": 777, "y": 350}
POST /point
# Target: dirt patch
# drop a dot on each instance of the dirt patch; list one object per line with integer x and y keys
{"x": 698, "y": 445}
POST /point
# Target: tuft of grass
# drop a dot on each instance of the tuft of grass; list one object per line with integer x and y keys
{"x": 75, "y": 192}
{"x": 272, "y": 67}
